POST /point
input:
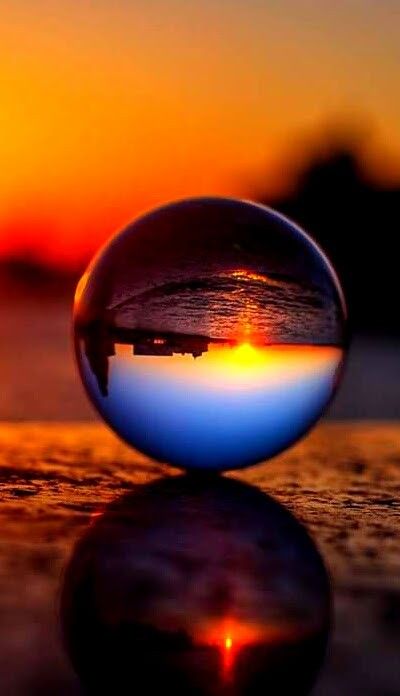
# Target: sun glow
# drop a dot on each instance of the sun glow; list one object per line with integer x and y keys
{"x": 229, "y": 638}
{"x": 243, "y": 366}
{"x": 243, "y": 362}
{"x": 243, "y": 274}
{"x": 244, "y": 354}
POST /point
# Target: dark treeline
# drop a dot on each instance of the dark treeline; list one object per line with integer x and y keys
{"x": 356, "y": 222}
{"x": 24, "y": 276}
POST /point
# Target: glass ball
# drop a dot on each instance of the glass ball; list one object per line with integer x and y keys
{"x": 210, "y": 333}
{"x": 196, "y": 586}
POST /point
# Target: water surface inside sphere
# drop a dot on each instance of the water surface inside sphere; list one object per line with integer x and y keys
{"x": 200, "y": 587}
{"x": 210, "y": 333}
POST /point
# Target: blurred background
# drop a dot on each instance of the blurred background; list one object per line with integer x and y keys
{"x": 109, "y": 108}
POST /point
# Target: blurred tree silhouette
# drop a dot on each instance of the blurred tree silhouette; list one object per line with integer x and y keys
{"x": 356, "y": 222}
{"x": 354, "y": 218}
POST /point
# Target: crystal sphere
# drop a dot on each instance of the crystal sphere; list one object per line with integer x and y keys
{"x": 196, "y": 585}
{"x": 210, "y": 333}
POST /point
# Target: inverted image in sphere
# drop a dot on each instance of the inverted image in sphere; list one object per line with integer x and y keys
{"x": 210, "y": 333}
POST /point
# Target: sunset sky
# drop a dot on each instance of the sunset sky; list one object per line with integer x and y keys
{"x": 108, "y": 108}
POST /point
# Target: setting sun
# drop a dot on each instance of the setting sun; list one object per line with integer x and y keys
{"x": 228, "y": 643}
{"x": 244, "y": 353}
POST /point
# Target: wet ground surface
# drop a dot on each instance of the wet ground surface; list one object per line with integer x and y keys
{"x": 342, "y": 483}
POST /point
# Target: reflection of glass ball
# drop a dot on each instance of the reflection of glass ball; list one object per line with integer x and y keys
{"x": 209, "y": 333}
{"x": 196, "y": 586}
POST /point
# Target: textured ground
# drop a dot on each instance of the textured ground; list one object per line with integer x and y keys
{"x": 342, "y": 482}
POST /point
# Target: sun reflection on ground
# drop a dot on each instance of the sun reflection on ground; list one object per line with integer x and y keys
{"x": 228, "y": 643}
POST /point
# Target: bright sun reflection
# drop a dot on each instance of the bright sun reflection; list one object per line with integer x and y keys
{"x": 244, "y": 354}
{"x": 241, "y": 361}
{"x": 245, "y": 274}
{"x": 243, "y": 366}
{"x": 228, "y": 643}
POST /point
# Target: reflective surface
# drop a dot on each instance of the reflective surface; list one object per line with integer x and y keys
{"x": 342, "y": 482}
{"x": 196, "y": 586}
{"x": 210, "y": 333}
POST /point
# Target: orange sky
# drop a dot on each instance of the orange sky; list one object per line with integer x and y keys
{"x": 108, "y": 108}
{"x": 239, "y": 368}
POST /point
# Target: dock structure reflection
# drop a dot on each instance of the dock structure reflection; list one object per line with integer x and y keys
{"x": 100, "y": 339}
{"x": 196, "y": 586}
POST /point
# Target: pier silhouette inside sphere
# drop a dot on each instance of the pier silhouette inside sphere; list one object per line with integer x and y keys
{"x": 196, "y": 586}
{"x": 210, "y": 333}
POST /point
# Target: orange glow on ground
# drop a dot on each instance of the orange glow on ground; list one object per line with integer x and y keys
{"x": 230, "y": 635}
{"x": 229, "y": 638}
{"x": 228, "y": 658}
